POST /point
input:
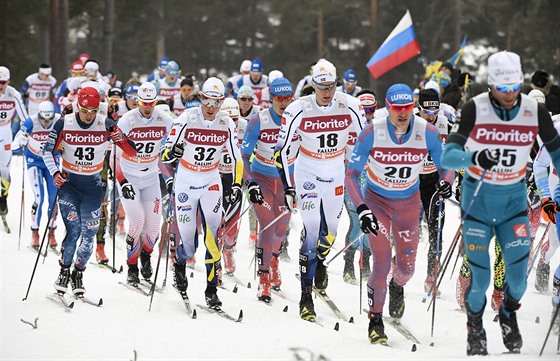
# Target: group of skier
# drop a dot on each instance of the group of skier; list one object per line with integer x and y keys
{"x": 188, "y": 153}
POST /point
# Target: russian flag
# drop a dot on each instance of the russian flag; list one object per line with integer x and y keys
{"x": 400, "y": 46}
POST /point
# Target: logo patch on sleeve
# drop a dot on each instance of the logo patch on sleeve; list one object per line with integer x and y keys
{"x": 520, "y": 230}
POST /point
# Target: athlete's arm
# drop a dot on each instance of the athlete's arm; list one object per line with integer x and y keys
{"x": 454, "y": 155}
{"x": 357, "y": 163}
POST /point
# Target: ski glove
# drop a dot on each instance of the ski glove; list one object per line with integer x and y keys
{"x": 486, "y": 158}
{"x": 255, "y": 194}
{"x": 113, "y": 112}
{"x": 59, "y": 178}
{"x": 443, "y": 189}
{"x": 178, "y": 149}
{"x": 169, "y": 185}
{"x": 127, "y": 190}
{"x": 549, "y": 209}
{"x": 290, "y": 199}
{"x": 115, "y": 134}
{"x": 368, "y": 222}
{"x": 235, "y": 195}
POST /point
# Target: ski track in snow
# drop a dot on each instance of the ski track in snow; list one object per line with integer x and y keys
{"x": 123, "y": 329}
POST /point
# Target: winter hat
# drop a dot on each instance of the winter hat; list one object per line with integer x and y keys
{"x": 400, "y": 94}
{"x": 45, "y": 69}
{"x": 245, "y": 92}
{"x": 350, "y": 76}
{"x": 4, "y": 73}
{"x": 77, "y": 67}
{"x": 88, "y": 97}
{"x": 163, "y": 63}
{"x": 504, "y": 68}
{"x": 172, "y": 68}
{"x": 428, "y": 98}
{"x": 213, "y": 88}
{"x": 231, "y": 106}
{"x": 89, "y": 83}
{"x": 245, "y": 66}
{"x": 281, "y": 87}
{"x": 115, "y": 92}
{"x": 83, "y": 57}
{"x": 367, "y": 100}
{"x": 132, "y": 89}
{"x": 274, "y": 74}
{"x": 91, "y": 66}
{"x": 323, "y": 72}
{"x": 537, "y": 95}
{"x": 447, "y": 65}
{"x": 540, "y": 78}
{"x": 433, "y": 85}
{"x": 147, "y": 92}
{"x": 256, "y": 66}
{"x": 46, "y": 110}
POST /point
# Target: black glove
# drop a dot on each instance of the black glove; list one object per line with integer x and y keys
{"x": 486, "y": 158}
{"x": 255, "y": 194}
{"x": 458, "y": 194}
{"x": 368, "y": 222}
{"x": 178, "y": 149}
{"x": 235, "y": 195}
{"x": 549, "y": 209}
{"x": 169, "y": 185}
{"x": 127, "y": 190}
{"x": 290, "y": 199}
{"x": 113, "y": 112}
{"x": 443, "y": 189}
{"x": 69, "y": 109}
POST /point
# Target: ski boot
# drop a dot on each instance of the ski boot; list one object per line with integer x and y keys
{"x": 396, "y": 299}
{"x": 476, "y": 337}
{"x": 321, "y": 276}
{"x": 211, "y": 296}
{"x": 180, "y": 276}
{"x": 376, "y": 329}
{"x": 275, "y": 276}
{"x": 306, "y": 307}
{"x": 145, "y": 264}
{"x": 348, "y": 274}
{"x": 542, "y": 276}
{"x": 35, "y": 239}
{"x": 100, "y": 254}
{"x": 510, "y": 330}
{"x": 52, "y": 239}
{"x": 61, "y": 284}
{"x": 132, "y": 277}
{"x": 229, "y": 260}
{"x": 76, "y": 280}
{"x": 264, "y": 286}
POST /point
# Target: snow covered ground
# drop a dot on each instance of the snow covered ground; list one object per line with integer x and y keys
{"x": 123, "y": 329}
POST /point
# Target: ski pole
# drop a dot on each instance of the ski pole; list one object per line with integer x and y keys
{"x": 114, "y": 203}
{"x": 22, "y": 205}
{"x": 436, "y": 268}
{"x": 459, "y": 252}
{"x": 326, "y": 263}
{"x": 41, "y": 246}
{"x": 164, "y": 241}
{"x": 550, "y": 328}
{"x": 240, "y": 215}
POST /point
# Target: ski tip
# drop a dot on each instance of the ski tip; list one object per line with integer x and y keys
{"x": 71, "y": 305}
{"x": 193, "y": 316}
{"x": 351, "y": 320}
{"x": 100, "y": 303}
{"x": 234, "y": 289}
{"x": 431, "y": 344}
{"x": 423, "y": 299}
{"x": 240, "y": 318}
{"x": 336, "y": 326}
{"x": 496, "y": 318}
{"x": 413, "y": 348}
{"x": 121, "y": 269}
{"x": 537, "y": 320}
{"x": 192, "y": 275}
{"x": 248, "y": 284}
{"x": 285, "y": 309}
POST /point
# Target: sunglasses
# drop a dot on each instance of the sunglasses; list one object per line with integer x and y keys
{"x": 325, "y": 87}
{"x": 246, "y": 99}
{"x": 398, "y": 108}
{"x": 88, "y": 110}
{"x": 370, "y": 110}
{"x": 429, "y": 112}
{"x": 285, "y": 98}
{"x": 215, "y": 103}
{"x": 147, "y": 104}
{"x": 508, "y": 88}
{"x": 2, "y": 82}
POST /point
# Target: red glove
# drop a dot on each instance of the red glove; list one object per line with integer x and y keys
{"x": 116, "y": 134}
{"x": 59, "y": 178}
{"x": 113, "y": 112}
{"x": 549, "y": 209}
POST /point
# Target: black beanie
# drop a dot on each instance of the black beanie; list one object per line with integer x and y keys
{"x": 540, "y": 78}
{"x": 428, "y": 98}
